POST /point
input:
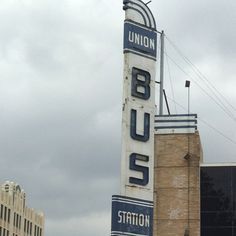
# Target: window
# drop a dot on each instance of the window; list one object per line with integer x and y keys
{"x": 9, "y": 215}
{"x": 36, "y": 231}
{"x": 14, "y": 220}
{"x": 19, "y": 222}
{"x": 25, "y": 225}
{"x": 1, "y": 212}
{"x": 30, "y": 228}
{"x": 7, "y": 188}
{"x": 5, "y": 213}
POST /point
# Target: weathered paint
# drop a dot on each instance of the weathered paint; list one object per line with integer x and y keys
{"x": 131, "y": 216}
{"x": 132, "y": 212}
{"x": 138, "y": 102}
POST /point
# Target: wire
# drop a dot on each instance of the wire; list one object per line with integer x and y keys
{"x": 218, "y": 131}
{"x": 207, "y": 82}
{"x": 225, "y": 109}
{"x": 212, "y": 88}
{"x": 170, "y": 77}
{"x": 207, "y": 124}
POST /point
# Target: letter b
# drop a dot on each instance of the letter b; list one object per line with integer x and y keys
{"x": 140, "y": 83}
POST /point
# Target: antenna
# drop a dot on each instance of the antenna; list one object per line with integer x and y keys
{"x": 187, "y": 85}
{"x": 188, "y": 157}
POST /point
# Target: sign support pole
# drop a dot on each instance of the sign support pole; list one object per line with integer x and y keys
{"x": 161, "y": 73}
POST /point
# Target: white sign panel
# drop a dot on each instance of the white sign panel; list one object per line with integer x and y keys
{"x": 140, "y": 42}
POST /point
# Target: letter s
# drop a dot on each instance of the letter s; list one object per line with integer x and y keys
{"x": 145, "y": 170}
{"x": 120, "y": 217}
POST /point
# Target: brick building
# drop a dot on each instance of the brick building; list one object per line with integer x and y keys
{"x": 178, "y": 155}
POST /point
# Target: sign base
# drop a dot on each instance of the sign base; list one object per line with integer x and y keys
{"x": 131, "y": 216}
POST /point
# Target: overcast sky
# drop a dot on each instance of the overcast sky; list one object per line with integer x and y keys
{"x": 61, "y": 67}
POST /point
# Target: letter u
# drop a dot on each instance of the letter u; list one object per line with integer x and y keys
{"x": 131, "y": 36}
{"x": 133, "y": 127}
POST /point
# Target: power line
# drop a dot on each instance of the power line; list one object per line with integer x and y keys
{"x": 170, "y": 77}
{"x": 223, "y": 107}
{"x": 218, "y": 96}
{"x": 207, "y": 124}
{"x": 213, "y": 89}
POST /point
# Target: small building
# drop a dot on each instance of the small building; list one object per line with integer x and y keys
{"x": 16, "y": 219}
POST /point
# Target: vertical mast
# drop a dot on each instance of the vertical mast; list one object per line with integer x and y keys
{"x": 161, "y": 74}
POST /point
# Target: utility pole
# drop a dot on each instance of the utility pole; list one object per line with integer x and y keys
{"x": 161, "y": 73}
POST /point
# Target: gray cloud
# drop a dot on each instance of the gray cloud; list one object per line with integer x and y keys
{"x": 60, "y": 98}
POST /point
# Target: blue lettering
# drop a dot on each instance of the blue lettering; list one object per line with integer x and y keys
{"x": 133, "y": 127}
{"x": 140, "y": 83}
{"x": 143, "y": 169}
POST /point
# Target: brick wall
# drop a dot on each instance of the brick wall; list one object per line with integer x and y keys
{"x": 177, "y": 186}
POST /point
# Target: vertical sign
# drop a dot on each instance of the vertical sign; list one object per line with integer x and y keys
{"x": 132, "y": 211}
{"x": 140, "y": 44}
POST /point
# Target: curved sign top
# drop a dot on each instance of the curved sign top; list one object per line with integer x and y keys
{"x": 139, "y": 12}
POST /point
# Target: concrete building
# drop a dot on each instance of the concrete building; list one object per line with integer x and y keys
{"x": 178, "y": 155}
{"x": 16, "y": 219}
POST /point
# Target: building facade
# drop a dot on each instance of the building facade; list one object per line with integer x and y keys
{"x": 178, "y": 155}
{"x": 16, "y": 219}
{"x": 218, "y": 199}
